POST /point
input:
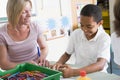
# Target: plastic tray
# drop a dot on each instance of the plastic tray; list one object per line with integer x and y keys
{"x": 52, "y": 74}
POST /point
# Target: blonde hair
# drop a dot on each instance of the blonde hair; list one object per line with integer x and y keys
{"x": 14, "y": 9}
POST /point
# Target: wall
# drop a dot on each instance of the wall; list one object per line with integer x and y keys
{"x": 57, "y": 47}
{"x": 111, "y": 5}
{"x": 52, "y": 9}
{"x": 74, "y": 10}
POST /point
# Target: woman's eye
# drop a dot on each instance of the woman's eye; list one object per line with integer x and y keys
{"x": 23, "y": 12}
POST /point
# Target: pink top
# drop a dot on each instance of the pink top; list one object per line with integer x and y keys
{"x": 21, "y": 51}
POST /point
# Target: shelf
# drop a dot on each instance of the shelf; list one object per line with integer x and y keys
{"x": 105, "y": 13}
{"x": 55, "y": 37}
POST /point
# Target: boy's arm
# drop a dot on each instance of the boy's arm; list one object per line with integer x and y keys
{"x": 98, "y": 66}
{"x": 64, "y": 58}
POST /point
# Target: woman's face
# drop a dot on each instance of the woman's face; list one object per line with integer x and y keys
{"x": 25, "y": 15}
{"x": 89, "y": 26}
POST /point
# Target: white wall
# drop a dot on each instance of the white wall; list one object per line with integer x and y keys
{"x": 111, "y": 5}
{"x": 48, "y": 9}
{"x": 56, "y": 49}
{"x": 53, "y": 8}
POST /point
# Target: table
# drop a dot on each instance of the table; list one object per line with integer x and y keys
{"x": 93, "y": 76}
{"x": 97, "y": 76}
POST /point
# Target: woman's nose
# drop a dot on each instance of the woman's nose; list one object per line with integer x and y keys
{"x": 29, "y": 14}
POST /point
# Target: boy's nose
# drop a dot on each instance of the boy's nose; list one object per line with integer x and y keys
{"x": 84, "y": 29}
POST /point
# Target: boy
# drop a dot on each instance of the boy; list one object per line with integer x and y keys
{"x": 90, "y": 44}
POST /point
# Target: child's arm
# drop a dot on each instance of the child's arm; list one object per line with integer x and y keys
{"x": 98, "y": 66}
{"x": 64, "y": 58}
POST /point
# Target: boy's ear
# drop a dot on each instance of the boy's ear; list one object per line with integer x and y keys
{"x": 101, "y": 22}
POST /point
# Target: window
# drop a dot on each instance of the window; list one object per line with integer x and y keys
{"x": 3, "y": 16}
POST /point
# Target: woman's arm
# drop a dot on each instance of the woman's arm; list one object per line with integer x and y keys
{"x": 43, "y": 50}
{"x": 5, "y": 63}
{"x": 43, "y": 46}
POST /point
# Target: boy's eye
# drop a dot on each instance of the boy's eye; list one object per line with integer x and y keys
{"x": 89, "y": 26}
{"x": 81, "y": 25}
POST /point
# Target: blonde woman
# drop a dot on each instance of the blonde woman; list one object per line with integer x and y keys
{"x": 20, "y": 37}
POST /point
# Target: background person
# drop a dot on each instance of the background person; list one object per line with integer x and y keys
{"x": 115, "y": 36}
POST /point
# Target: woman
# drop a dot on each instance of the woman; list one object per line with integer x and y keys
{"x": 20, "y": 37}
{"x": 115, "y": 37}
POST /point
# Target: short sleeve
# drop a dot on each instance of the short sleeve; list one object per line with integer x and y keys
{"x": 71, "y": 45}
{"x": 104, "y": 48}
{"x": 115, "y": 45}
{"x": 2, "y": 40}
{"x": 38, "y": 28}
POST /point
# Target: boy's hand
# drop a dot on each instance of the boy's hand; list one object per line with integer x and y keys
{"x": 56, "y": 66}
{"x": 66, "y": 70}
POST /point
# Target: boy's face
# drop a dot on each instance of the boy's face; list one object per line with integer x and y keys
{"x": 89, "y": 26}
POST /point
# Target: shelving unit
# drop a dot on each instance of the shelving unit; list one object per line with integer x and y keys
{"x": 104, "y": 4}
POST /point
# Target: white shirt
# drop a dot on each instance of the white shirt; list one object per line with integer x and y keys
{"x": 115, "y": 41}
{"x": 88, "y": 51}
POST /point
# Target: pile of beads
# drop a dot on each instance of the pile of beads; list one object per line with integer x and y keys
{"x": 27, "y": 75}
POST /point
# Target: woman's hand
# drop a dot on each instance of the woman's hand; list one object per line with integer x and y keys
{"x": 43, "y": 62}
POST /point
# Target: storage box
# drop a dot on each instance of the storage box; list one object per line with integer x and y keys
{"x": 52, "y": 74}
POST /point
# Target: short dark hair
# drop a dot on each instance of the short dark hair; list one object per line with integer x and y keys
{"x": 92, "y": 10}
{"x": 117, "y": 17}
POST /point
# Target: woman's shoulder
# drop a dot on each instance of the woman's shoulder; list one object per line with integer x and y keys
{"x": 113, "y": 34}
{"x": 3, "y": 28}
{"x": 34, "y": 23}
{"x": 36, "y": 26}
